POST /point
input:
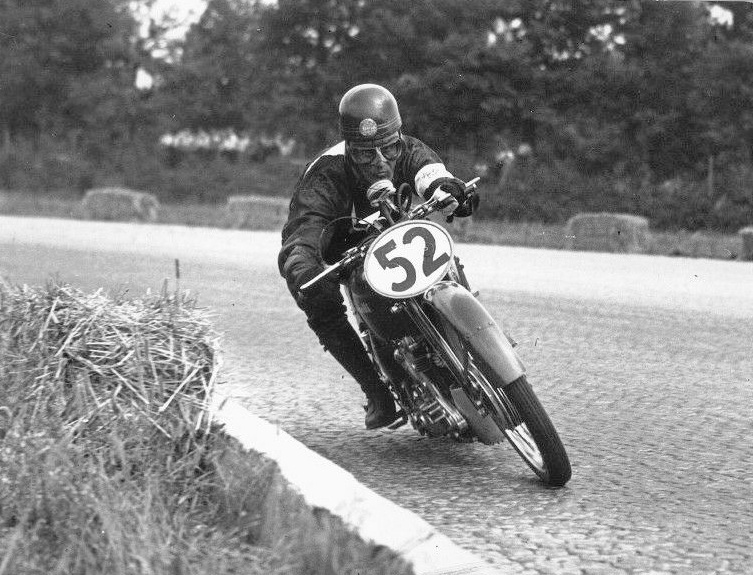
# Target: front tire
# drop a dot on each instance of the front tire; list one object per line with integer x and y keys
{"x": 534, "y": 436}
{"x": 513, "y": 406}
{"x": 518, "y": 413}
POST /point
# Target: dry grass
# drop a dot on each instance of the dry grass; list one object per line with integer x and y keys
{"x": 41, "y": 205}
{"x": 536, "y": 235}
{"x": 107, "y": 458}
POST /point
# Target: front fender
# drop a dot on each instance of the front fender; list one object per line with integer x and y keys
{"x": 484, "y": 337}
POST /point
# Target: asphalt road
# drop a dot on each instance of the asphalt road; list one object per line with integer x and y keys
{"x": 644, "y": 364}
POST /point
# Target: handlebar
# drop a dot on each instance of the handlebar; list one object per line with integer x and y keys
{"x": 378, "y": 220}
{"x": 432, "y": 205}
{"x": 349, "y": 257}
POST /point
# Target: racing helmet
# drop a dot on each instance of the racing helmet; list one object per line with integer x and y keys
{"x": 369, "y": 116}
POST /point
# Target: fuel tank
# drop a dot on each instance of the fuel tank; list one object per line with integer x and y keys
{"x": 377, "y": 311}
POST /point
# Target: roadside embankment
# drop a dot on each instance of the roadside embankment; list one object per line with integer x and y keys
{"x": 328, "y": 516}
{"x": 118, "y": 456}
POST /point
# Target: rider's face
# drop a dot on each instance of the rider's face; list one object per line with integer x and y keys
{"x": 373, "y": 164}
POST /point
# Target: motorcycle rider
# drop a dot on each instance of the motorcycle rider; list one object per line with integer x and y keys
{"x": 374, "y": 151}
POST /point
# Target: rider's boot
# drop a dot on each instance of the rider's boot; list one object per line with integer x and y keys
{"x": 347, "y": 349}
{"x": 380, "y": 407}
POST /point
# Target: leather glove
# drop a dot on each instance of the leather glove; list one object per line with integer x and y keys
{"x": 453, "y": 186}
{"x": 467, "y": 207}
{"x": 448, "y": 204}
{"x": 311, "y": 294}
{"x": 462, "y": 206}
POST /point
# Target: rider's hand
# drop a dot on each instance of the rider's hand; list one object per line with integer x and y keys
{"x": 467, "y": 207}
{"x": 453, "y": 187}
{"x": 310, "y": 295}
{"x": 446, "y": 202}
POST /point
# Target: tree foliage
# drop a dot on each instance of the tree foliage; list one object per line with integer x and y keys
{"x": 611, "y": 95}
{"x": 214, "y": 84}
{"x": 66, "y": 66}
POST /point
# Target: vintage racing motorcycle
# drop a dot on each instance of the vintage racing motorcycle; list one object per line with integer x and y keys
{"x": 451, "y": 368}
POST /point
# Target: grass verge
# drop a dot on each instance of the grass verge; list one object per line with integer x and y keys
{"x": 536, "y": 235}
{"x": 108, "y": 462}
{"x": 679, "y": 243}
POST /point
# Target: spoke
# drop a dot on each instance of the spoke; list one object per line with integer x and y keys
{"x": 518, "y": 435}
{"x": 502, "y": 410}
{"x": 521, "y": 438}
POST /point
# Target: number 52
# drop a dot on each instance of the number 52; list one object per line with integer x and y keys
{"x": 429, "y": 265}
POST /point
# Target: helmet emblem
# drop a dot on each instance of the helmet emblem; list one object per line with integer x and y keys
{"x": 367, "y": 128}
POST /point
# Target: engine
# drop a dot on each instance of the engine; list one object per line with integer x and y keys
{"x": 433, "y": 414}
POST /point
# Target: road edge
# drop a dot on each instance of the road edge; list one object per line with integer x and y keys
{"x": 323, "y": 511}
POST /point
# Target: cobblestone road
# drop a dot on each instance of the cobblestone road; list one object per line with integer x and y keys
{"x": 652, "y": 399}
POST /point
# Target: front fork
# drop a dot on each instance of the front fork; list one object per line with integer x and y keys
{"x": 468, "y": 406}
{"x": 435, "y": 340}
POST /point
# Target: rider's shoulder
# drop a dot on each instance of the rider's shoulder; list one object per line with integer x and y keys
{"x": 330, "y": 159}
{"x": 419, "y": 153}
{"x": 413, "y": 142}
{"x": 417, "y": 149}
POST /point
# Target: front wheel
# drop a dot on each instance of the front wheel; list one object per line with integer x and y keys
{"x": 520, "y": 416}
{"x": 534, "y": 437}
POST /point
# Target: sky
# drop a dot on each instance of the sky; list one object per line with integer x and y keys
{"x": 185, "y": 8}
{"x": 185, "y": 12}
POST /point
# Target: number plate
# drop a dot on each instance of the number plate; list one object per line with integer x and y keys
{"x": 408, "y": 258}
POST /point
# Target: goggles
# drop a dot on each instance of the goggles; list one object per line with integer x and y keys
{"x": 388, "y": 152}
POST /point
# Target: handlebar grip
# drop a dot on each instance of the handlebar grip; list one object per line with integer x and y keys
{"x": 470, "y": 185}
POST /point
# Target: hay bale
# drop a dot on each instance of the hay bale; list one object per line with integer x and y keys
{"x": 256, "y": 212}
{"x": 746, "y": 238}
{"x": 152, "y": 363}
{"x": 120, "y": 204}
{"x": 608, "y": 232}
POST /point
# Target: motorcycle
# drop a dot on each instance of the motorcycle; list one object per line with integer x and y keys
{"x": 449, "y": 365}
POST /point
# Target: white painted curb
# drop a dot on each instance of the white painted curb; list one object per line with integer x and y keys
{"x": 307, "y": 484}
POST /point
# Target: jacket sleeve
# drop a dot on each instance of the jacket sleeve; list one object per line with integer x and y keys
{"x": 317, "y": 200}
{"x": 424, "y": 166}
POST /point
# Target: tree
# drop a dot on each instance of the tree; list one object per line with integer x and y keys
{"x": 319, "y": 48}
{"x": 722, "y": 98}
{"x": 214, "y": 83}
{"x": 303, "y": 44}
{"x": 50, "y": 51}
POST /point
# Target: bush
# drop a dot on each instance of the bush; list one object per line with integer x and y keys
{"x": 540, "y": 188}
{"x": 24, "y": 168}
{"x": 555, "y": 191}
{"x": 209, "y": 180}
{"x": 549, "y": 193}
{"x": 675, "y": 204}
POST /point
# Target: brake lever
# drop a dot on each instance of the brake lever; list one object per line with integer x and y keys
{"x": 350, "y": 255}
{"x": 321, "y": 275}
{"x": 471, "y": 185}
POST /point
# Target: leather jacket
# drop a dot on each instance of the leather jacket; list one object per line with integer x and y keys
{"x": 331, "y": 188}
